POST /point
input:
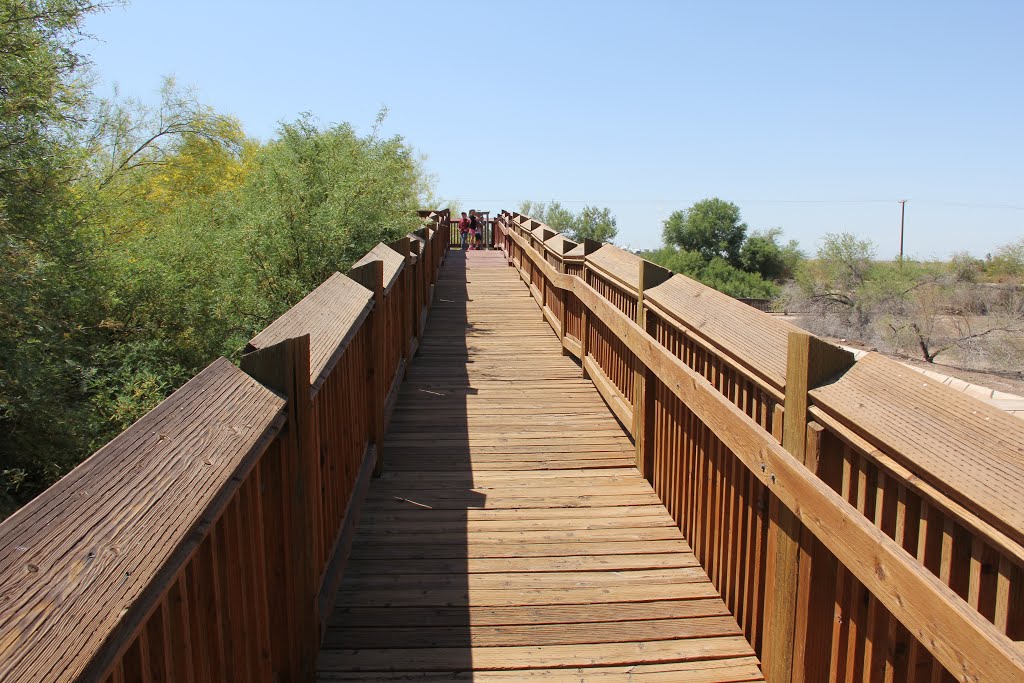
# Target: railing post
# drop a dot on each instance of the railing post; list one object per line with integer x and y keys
{"x": 403, "y": 247}
{"x": 415, "y": 285}
{"x": 428, "y": 278}
{"x": 651, "y": 275}
{"x": 589, "y": 247}
{"x": 371, "y": 276}
{"x": 284, "y": 367}
{"x": 563, "y": 300}
{"x": 543, "y": 284}
{"x": 817, "y": 585}
{"x": 810, "y": 362}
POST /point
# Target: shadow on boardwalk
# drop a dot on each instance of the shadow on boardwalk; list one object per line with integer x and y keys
{"x": 511, "y": 536}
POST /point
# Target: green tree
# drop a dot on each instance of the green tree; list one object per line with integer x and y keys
{"x": 145, "y": 160}
{"x": 842, "y": 264}
{"x": 594, "y": 223}
{"x": 556, "y": 216}
{"x": 50, "y": 310}
{"x": 716, "y": 273}
{"x": 316, "y": 200}
{"x": 711, "y": 227}
{"x": 213, "y": 269}
{"x": 763, "y": 254}
{"x": 965, "y": 267}
{"x": 1008, "y": 261}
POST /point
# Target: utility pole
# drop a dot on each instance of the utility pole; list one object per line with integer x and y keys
{"x": 903, "y": 211}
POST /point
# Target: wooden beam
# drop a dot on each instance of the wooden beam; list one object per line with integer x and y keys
{"x": 810, "y": 362}
{"x": 415, "y": 285}
{"x": 371, "y": 276}
{"x": 960, "y": 638}
{"x": 404, "y": 247}
{"x": 644, "y": 381}
{"x": 563, "y": 303}
{"x": 284, "y": 367}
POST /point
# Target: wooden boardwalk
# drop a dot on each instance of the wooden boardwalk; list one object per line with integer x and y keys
{"x": 511, "y": 536}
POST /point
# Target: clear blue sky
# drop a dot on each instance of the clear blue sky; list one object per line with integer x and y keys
{"x": 814, "y": 117}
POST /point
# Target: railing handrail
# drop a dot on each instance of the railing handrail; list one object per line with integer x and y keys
{"x": 102, "y": 576}
{"x": 155, "y": 552}
{"x": 952, "y": 630}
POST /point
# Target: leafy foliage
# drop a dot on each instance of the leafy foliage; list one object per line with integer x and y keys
{"x": 761, "y": 253}
{"x": 965, "y": 267}
{"x": 716, "y": 273}
{"x": 591, "y": 223}
{"x": 917, "y": 309}
{"x": 1008, "y": 261}
{"x": 708, "y": 242}
{"x": 139, "y": 243}
{"x": 711, "y": 227}
{"x": 317, "y": 200}
{"x": 49, "y": 306}
{"x": 595, "y": 224}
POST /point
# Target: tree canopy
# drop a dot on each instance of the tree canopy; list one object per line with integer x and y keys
{"x": 594, "y": 224}
{"x": 591, "y": 222}
{"x": 709, "y": 242}
{"x": 761, "y": 253}
{"x": 139, "y": 242}
{"x": 711, "y": 227}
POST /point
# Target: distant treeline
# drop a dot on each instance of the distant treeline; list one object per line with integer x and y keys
{"x": 966, "y": 312}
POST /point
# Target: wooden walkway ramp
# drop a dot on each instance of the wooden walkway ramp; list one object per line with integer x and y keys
{"x": 511, "y": 537}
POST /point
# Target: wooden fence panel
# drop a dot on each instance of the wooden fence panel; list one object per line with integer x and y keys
{"x": 205, "y": 542}
{"x": 794, "y": 581}
{"x": 109, "y": 543}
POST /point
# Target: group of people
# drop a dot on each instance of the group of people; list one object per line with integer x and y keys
{"x": 471, "y": 230}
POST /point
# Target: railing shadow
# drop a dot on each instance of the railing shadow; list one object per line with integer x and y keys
{"x": 404, "y": 604}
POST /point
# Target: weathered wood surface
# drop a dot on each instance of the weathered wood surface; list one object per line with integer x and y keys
{"x": 923, "y": 593}
{"x": 511, "y": 537}
{"x": 622, "y": 266}
{"x": 543, "y": 233}
{"x": 393, "y": 262}
{"x": 755, "y": 340}
{"x": 86, "y": 562}
{"x": 969, "y": 450}
{"x": 559, "y": 244}
{"x": 329, "y": 314}
{"x": 577, "y": 252}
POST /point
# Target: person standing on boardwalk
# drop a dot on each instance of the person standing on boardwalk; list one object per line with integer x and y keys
{"x": 464, "y": 230}
{"x": 474, "y": 228}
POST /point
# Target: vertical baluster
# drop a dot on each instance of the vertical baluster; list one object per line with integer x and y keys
{"x": 1009, "y": 600}
{"x": 816, "y": 579}
{"x": 117, "y": 675}
{"x": 133, "y": 667}
{"x": 841, "y": 618}
{"x": 897, "y": 635}
{"x": 155, "y": 655}
{"x": 810, "y": 361}
{"x": 179, "y": 629}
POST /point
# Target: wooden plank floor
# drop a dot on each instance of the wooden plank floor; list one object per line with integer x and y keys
{"x": 511, "y": 537}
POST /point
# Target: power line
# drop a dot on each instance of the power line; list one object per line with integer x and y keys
{"x": 687, "y": 201}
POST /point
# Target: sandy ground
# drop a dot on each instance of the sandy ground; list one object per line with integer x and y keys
{"x": 1010, "y": 382}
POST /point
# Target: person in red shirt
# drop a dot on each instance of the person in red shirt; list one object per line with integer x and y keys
{"x": 464, "y": 230}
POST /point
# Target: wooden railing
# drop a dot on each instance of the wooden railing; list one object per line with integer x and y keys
{"x": 486, "y": 234}
{"x": 862, "y": 523}
{"x": 207, "y": 541}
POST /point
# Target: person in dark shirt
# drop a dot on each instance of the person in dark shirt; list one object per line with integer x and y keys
{"x": 474, "y": 228}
